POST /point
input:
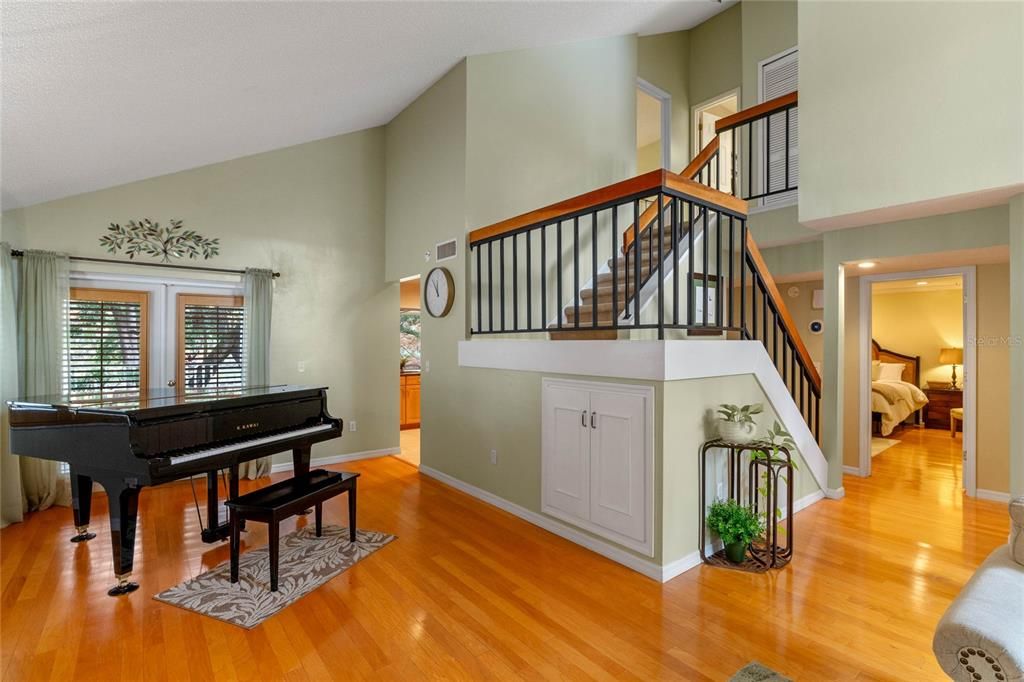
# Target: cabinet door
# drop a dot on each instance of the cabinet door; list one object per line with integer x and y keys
{"x": 618, "y": 463}
{"x": 412, "y": 403}
{"x": 566, "y": 445}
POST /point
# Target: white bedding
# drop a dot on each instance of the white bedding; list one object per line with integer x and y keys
{"x": 895, "y": 401}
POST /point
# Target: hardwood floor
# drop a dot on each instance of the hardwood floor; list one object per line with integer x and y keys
{"x": 409, "y": 443}
{"x": 470, "y": 592}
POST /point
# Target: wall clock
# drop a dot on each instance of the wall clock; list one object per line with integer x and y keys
{"x": 439, "y": 292}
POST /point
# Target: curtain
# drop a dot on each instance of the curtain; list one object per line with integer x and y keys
{"x": 42, "y": 307}
{"x": 259, "y": 297}
{"x": 12, "y": 502}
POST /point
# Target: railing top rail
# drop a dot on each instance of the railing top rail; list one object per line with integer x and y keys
{"x": 787, "y": 320}
{"x": 648, "y": 182}
{"x": 762, "y": 110}
{"x": 702, "y": 158}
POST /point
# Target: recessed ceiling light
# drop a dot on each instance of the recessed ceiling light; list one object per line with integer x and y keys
{"x": 866, "y": 264}
{"x": 922, "y": 283}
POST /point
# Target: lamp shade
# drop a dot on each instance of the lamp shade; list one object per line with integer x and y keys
{"x": 951, "y": 356}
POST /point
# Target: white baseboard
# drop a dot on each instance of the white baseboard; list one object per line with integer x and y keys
{"x": 337, "y": 459}
{"x": 605, "y": 549}
{"x": 993, "y": 495}
{"x": 852, "y": 470}
{"x": 835, "y": 493}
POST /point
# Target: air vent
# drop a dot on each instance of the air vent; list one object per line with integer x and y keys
{"x": 446, "y": 250}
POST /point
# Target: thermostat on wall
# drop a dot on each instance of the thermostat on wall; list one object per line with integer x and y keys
{"x": 816, "y": 326}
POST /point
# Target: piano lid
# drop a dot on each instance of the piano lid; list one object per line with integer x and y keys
{"x": 160, "y": 398}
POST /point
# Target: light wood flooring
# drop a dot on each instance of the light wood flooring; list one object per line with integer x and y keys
{"x": 470, "y": 592}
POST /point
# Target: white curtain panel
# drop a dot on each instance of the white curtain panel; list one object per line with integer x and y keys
{"x": 12, "y": 501}
{"x": 259, "y": 300}
{"x": 42, "y": 311}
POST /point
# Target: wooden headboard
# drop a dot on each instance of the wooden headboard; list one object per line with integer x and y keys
{"x": 912, "y": 363}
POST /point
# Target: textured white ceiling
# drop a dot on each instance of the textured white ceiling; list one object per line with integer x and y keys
{"x": 99, "y": 94}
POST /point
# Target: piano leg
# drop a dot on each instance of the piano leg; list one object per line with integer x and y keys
{"x": 123, "y": 499}
{"x": 81, "y": 505}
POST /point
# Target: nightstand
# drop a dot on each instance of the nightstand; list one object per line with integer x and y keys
{"x": 940, "y": 402}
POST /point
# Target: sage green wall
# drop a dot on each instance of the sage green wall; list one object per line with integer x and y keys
{"x": 314, "y": 212}
{"x": 882, "y": 87}
{"x": 662, "y": 61}
{"x": 767, "y": 28}
{"x": 689, "y": 408}
{"x": 1016, "y": 343}
{"x": 425, "y": 154}
{"x": 716, "y": 55}
{"x": 795, "y": 260}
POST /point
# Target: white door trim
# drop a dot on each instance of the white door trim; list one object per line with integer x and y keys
{"x": 695, "y": 110}
{"x": 666, "y": 118}
{"x": 968, "y": 273}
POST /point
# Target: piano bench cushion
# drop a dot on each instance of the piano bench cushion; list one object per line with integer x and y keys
{"x": 288, "y": 497}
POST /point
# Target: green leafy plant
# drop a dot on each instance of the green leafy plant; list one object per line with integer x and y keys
{"x": 148, "y": 237}
{"x": 733, "y": 522}
{"x": 776, "y": 439}
{"x": 741, "y": 414}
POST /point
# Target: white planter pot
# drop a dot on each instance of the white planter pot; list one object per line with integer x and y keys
{"x": 735, "y": 432}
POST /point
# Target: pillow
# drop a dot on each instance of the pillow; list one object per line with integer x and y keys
{"x": 890, "y": 371}
{"x": 876, "y": 369}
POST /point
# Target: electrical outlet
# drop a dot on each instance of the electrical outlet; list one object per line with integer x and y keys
{"x": 302, "y": 366}
{"x": 352, "y": 426}
{"x": 494, "y": 456}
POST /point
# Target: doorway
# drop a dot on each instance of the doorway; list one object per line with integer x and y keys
{"x": 653, "y": 128}
{"x": 917, "y": 374}
{"x": 705, "y": 116}
{"x": 409, "y": 370}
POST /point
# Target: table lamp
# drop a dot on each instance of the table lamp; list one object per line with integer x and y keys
{"x": 951, "y": 356}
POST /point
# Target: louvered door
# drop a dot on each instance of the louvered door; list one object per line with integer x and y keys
{"x": 779, "y": 76}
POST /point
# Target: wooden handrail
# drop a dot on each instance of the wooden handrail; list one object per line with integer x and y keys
{"x": 702, "y": 157}
{"x": 754, "y": 112}
{"x": 787, "y": 319}
{"x": 642, "y": 183}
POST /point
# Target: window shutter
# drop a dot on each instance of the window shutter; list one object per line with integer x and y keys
{"x": 212, "y": 348}
{"x": 106, "y": 348}
{"x": 780, "y": 77}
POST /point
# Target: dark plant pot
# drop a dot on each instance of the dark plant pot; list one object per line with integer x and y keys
{"x": 736, "y": 552}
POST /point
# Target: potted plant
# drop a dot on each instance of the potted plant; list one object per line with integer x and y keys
{"x": 736, "y": 424}
{"x": 736, "y": 525}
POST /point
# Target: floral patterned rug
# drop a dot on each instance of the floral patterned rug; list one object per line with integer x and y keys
{"x": 306, "y": 562}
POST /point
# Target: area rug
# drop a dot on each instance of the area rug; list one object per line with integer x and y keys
{"x": 755, "y": 672}
{"x": 880, "y": 445}
{"x": 306, "y": 562}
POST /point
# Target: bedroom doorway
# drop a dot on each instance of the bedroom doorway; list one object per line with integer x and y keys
{"x": 917, "y": 373}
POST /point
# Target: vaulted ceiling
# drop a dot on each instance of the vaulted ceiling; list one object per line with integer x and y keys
{"x": 99, "y": 94}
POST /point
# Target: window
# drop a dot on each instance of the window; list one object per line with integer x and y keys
{"x": 409, "y": 340}
{"x": 210, "y": 343}
{"x": 780, "y": 76}
{"x": 107, "y": 349}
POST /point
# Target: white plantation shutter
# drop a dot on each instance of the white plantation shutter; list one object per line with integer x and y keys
{"x": 780, "y": 76}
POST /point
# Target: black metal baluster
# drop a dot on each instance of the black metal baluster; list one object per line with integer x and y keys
{"x": 593, "y": 265}
{"x": 753, "y": 301}
{"x": 775, "y": 338}
{"x": 615, "y": 266}
{"x": 787, "y": 148}
{"x": 743, "y": 277}
{"x": 764, "y": 311}
{"x": 529, "y": 282}
{"x": 673, "y": 216}
{"x": 661, "y": 261}
{"x": 704, "y": 266}
{"x": 479, "y": 291}
{"x": 637, "y": 254}
{"x": 767, "y": 155}
{"x": 515, "y": 282}
{"x": 750, "y": 162}
{"x": 786, "y": 350}
{"x": 732, "y": 273}
{"x": 803, "y": 371}
{"x": 490, "y": 286}
{"x": 576, "y": 270}
{"x": 732, "y": 165}
{"x": 817, "y": 418}
{"x": 501, "y": 279}
{"x": 692, "y": 279}
{"x": 544, "y": 276}
{"x": 718, "y": 269}
{"x": 558, "y": 292}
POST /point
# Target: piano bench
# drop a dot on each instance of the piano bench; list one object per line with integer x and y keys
{"x": 279, "y": 501}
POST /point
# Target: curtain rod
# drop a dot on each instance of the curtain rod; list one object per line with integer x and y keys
{"x": 17, "y": 253}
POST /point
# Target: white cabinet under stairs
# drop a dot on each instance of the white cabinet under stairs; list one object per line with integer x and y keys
{"x": 598, "y": 459}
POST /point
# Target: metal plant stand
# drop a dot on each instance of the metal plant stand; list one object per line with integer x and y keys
{"x": 761, "y": 494}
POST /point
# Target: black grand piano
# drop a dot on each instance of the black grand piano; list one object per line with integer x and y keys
{"x": 164, "y": 436}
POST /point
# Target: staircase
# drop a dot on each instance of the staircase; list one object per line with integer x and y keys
{"x": 662, "y": 253}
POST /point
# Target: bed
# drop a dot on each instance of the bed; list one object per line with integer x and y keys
{"x": 895, "y": 394}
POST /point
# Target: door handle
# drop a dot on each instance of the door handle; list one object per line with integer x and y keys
{"x": 172, "y": 382}
{"x": 593, "y": 422}
{"x": 584, "y": 418}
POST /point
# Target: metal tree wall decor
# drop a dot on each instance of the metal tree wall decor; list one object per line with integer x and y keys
{"x": 147, "y": 237}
